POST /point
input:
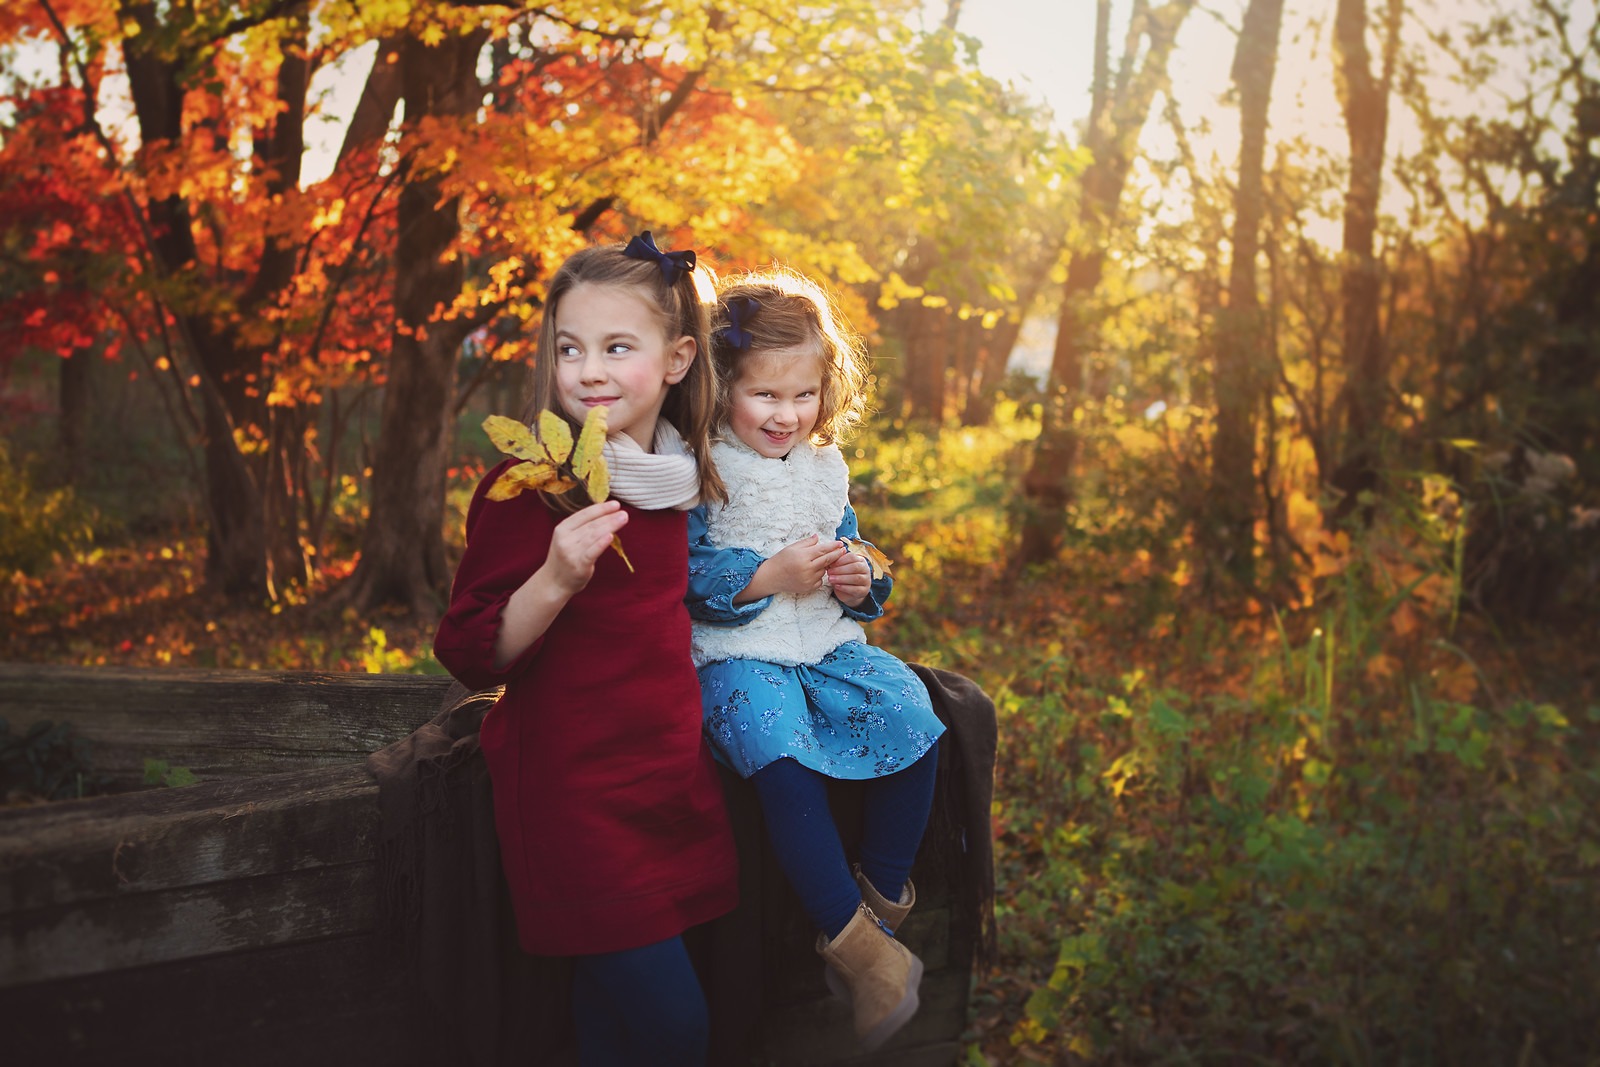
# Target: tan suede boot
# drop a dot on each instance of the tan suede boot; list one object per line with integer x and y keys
{"x": 891, "y": 914}
{"x": 880, "y": 973}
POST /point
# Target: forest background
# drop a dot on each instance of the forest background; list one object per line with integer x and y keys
{"x": 1282, "y": 573}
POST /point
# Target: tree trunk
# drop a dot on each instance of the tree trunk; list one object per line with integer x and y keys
{"x": 1118, "y": 115}
{"x": 1364, "y": 98}
{"x": 252, "y": 536}
{"x": 402, "y": 547}
{"x": 74, "y": 393}
{"x": 927, "y": 358}
{"x": 375, "y": 109}
{"x": 995, "y": 346}
{"x": 236, "y": 549}
{"x": 1240, "y": 360}
{"x": 278, "y": 153}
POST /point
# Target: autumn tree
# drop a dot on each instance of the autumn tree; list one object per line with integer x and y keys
{"x": 1364, "y": 98}
{"x": 1494, "y": 331}
{"x": 1121, "y": 103}
{"x": 229, "y": 249}
{"x": 1240, "y": 359}
{"x": 402, "y": 554}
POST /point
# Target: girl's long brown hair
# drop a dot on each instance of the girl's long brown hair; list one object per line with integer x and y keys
{"x": 690, "y": 404}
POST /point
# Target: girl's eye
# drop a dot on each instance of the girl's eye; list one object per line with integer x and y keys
{"x": 566, "y": 351}
{"x": 617, "y": 348}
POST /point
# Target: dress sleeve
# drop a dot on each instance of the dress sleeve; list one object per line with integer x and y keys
{"x": 507, "y": 541}
{"x": 717, "y": 575}
{"x": 872, "y": 607}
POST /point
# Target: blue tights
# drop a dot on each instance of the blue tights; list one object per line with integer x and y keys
{"x": 640, "y": 1005}
{"x": 794, "y": 801}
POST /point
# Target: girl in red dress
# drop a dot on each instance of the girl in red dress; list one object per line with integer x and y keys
{"x": 607, "y": 804}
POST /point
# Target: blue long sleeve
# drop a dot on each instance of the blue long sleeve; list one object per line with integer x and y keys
{"x": 717, "y": 575}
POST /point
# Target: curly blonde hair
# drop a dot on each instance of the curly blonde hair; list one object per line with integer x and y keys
{"x": 792, "y": 311}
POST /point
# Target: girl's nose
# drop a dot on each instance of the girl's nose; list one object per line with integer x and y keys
{"x": 594, "y": 368}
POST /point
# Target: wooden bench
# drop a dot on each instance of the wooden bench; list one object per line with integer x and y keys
{"x": 234, "y": 921}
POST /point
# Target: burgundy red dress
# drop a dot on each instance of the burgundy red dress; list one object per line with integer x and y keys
{"x": 607, "y": 803}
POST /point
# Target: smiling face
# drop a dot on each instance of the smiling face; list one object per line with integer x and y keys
{"x": 612, "y": 349}
{"x": 775, "y": 400}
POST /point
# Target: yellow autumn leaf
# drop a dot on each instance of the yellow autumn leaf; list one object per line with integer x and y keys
{"x": 591, "y": 439}
{"x": 880, "y": 562}
{"x": 555, "y": 435}
{"x": 598, "y": 480}
{"x": 514, "y": 438}
{"x": 616, "y": 546}
{"x": 528, "y": 475}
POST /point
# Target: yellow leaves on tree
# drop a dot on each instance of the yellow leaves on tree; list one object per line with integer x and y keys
{"x": 551, "y": 461}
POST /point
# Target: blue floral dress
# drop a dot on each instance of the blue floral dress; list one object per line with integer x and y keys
{"x": 858, "y": 712}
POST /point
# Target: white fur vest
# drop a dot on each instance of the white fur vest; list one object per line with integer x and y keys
{"x": 773, "y": 503}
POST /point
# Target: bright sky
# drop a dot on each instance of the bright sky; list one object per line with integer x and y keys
{"x": 1046, "y": 49}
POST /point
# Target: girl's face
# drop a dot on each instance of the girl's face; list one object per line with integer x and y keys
{"x": 613, "y": 350}
{"x": 776, "y": 399}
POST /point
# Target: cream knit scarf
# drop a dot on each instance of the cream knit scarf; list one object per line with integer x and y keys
{"x": 665, "y": 477}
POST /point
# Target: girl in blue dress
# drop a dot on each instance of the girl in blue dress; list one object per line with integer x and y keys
{"x": 778, "y": 589}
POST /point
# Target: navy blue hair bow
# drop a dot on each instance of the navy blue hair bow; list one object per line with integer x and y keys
{"x": 741, "y": 309}
{"x": 674, "y": 265}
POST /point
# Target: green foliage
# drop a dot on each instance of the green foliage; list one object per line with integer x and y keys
{"x": 1278, "y": 877}
{"x": 379, "y": 657}
{"x": 1325, "y": 835}
{"x": 37, "y": 525}
{"x": 160, "y": 772}
{"x": 48, "y": 761}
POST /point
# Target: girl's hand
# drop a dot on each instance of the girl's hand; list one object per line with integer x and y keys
{"x": 577, "y": 543}
{"x": 851, "y": 578}
{"x": 796, "y": 568}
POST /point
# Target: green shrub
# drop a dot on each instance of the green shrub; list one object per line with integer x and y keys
{"x": 36, "y": 524}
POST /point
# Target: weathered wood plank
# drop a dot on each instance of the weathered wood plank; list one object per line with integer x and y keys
{"x": 819, "y": 1030}
{"x": 114, "y": 933}
{"x": 219, "y": 724}
{"x": 56, "y": 854}
{"x": 339, "y": 1003}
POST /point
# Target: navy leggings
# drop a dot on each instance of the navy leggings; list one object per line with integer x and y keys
{"x": 640, "y": 1005}
{"x": 794, "y": 801}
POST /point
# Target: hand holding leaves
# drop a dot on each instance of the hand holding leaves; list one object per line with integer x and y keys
{"x": 551, "y": 460}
